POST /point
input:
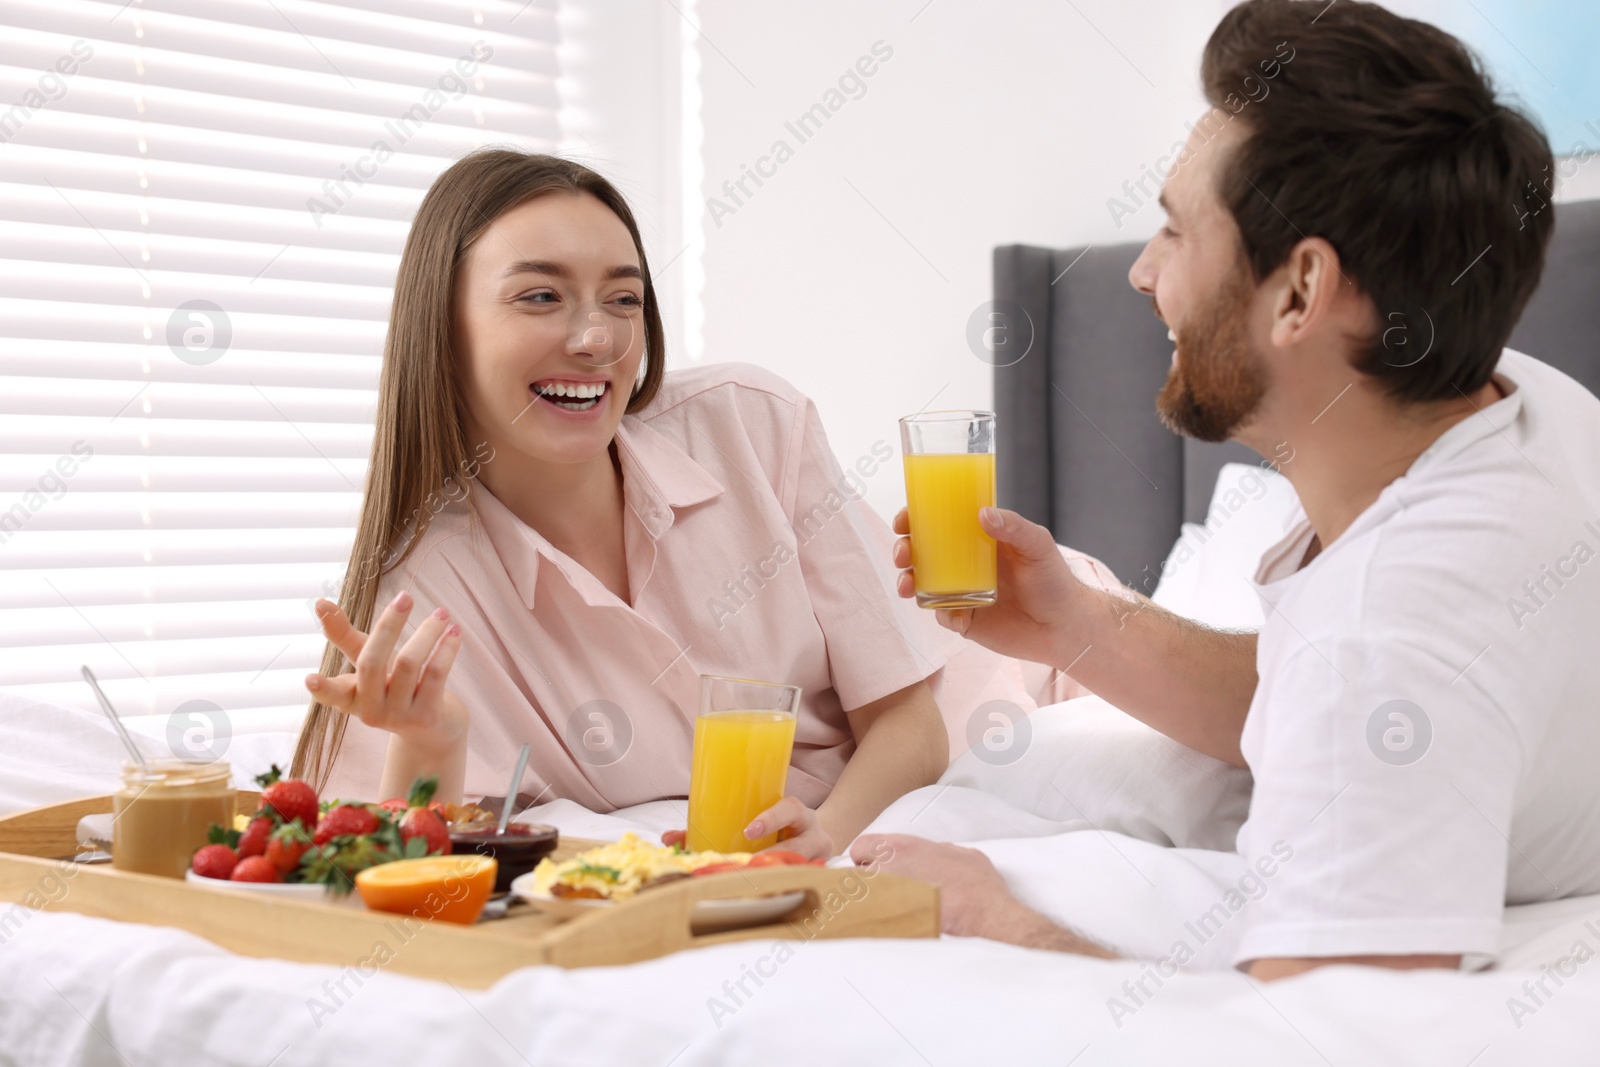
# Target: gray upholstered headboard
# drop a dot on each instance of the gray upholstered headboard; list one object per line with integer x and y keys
{"x": 1075, "y": 381}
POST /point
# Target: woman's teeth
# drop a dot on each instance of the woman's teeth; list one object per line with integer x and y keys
{"x": 573, "y": 396}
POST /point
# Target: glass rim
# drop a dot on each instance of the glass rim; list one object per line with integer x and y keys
{"x": 792, "y": 697}
{"x": 746, "y": 681}
{"x": 956, "y": 415}
{"x": 176, "y": 771}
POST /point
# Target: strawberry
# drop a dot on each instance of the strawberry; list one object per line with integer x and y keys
{"x": 255, "y": 869}
{"x": 420, "y": 822}
{"x": 425, "y": 820}
{"x": 286, "y": 845}
{"x": 289, "y": 797}
{"x": 396, "y": 805}
{"x": 340, "y": 819}
{"x": 214, "y": 861}
{"x": 253, "y": 842}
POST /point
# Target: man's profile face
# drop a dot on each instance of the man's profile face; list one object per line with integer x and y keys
{"x": 1195, "y": 273}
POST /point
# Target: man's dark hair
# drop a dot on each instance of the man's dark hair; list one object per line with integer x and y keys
{"x": 1383, "y": 136}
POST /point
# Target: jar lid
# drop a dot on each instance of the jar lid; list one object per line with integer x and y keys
{"x": 175, "y": 773}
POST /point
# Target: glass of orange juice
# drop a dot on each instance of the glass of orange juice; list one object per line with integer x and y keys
{"x": 949, "y": 462}
{"x": 743, "y": 738}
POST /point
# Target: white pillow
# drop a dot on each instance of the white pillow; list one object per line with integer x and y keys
{"x": 1084, "y": 759}
{"x": 1206, "y": 575}
{"x": 53, "y": 754}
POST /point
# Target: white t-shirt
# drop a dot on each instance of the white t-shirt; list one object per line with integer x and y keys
{"x": 1425, "y": 735}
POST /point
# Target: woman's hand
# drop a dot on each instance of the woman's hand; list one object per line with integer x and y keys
{"x": 799, "y": 830}
{"x": 1039, "y": 602}
{"x": 401, "y": 691}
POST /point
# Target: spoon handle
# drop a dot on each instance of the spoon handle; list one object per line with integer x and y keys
{"x": 515, "y": 787}
{"x": 116, "y": 720}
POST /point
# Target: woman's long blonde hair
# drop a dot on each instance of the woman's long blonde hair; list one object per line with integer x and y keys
{"x": 419, "y": 446}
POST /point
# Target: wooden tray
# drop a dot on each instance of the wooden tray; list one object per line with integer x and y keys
{"x": 839, "y": 903}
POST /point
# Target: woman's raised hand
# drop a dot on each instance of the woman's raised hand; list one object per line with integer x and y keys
{"x": 399, "y": 690}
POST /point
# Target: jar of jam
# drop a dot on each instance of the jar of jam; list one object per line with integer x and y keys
{"x": 161, "y": 815}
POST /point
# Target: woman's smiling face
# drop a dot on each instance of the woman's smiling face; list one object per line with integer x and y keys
{"x": 549, "y": 329}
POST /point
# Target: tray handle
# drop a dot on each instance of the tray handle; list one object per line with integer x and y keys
{"x": 840, "y": 902}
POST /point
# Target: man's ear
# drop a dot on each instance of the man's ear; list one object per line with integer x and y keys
{"x": 1306, "y": 290}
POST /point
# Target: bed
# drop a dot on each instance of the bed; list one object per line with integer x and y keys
{"x": 78, "y": 990}
{"x": 1135, "y": 873}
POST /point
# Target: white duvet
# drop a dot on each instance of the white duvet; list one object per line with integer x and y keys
{"x": 75, "y": 990}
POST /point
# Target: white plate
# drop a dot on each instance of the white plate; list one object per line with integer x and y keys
{"x": 727, "y": 914}
{"x": 281, "y": 890}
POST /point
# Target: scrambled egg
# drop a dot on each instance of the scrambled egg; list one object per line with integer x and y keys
{"x": 619, "y": 870}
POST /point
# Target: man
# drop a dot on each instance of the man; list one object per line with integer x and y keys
{"x": 1342, "y": 265}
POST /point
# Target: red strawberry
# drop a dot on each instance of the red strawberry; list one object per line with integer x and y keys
{"x": 396, "y": 805}
{"x": 214, "y": 861}
{"x": 253, "y": 842}
{"x": 286, "y": 845}
{"x": 291, "y": 799}
{"x": 420, "y": 822}
{"x": 255, "y": 869}
{"x": 426, "y": 818}
{"x": 345, "y": 819}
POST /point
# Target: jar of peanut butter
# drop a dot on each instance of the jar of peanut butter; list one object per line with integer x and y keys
{"x": 160, "y": 816}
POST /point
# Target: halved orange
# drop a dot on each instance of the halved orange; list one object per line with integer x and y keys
{"x": 451, "y": 888}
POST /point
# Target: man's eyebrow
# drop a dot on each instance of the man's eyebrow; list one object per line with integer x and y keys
{"x": 557, "y": 270}
{"x": 1166, "y": 205}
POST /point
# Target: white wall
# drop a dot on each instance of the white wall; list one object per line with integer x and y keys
{"x": 853, "y": 271}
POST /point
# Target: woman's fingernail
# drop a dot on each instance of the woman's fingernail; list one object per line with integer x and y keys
{"x": 441, "y": 614}
{"x": 402, "y": 602}
{"x": 991, "y": 516}
{"x": 313, "y": 682}
{"x": 754, "y": 830}
{"x": 323, "y": 606}
{"x": 454, "y": 631}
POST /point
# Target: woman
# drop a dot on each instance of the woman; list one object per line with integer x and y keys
{"x": 587, "y": 534}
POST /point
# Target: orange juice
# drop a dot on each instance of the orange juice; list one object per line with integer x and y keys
{"x": 741, "y": 762}
{"x": 954, "y": 560}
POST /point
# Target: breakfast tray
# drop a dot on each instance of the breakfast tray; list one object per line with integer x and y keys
{"x": 840, "y": 902}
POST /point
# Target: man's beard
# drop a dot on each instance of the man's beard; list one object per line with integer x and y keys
{"x": 1217, "y": 382}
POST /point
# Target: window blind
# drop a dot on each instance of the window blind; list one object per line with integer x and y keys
{"x": 202, "y": 206}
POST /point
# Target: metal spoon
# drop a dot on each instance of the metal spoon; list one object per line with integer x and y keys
{"x": 111, "y": 713}
{"x": 514, "y": 787}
